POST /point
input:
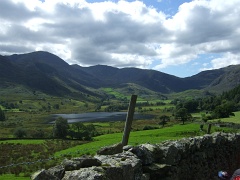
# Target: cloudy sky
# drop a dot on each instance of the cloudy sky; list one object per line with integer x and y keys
{"x": 178, "y": 37}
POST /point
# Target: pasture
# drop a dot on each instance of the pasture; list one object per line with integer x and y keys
{"x": 22, "y": 157}
{"x": 19, "y": 158}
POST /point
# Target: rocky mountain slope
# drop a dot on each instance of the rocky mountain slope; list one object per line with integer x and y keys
{"x": 50, "y": 74}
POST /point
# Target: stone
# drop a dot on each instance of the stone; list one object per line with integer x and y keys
{"x": 145, "y": 176}
{"x": 121, "y": 166}
{"x": 188, "y": 158}
{"x": 81, "y": 162}
{"x": 127, "y": 147}
{"x": 158, "y": 171}
{"x": 110, "y": 150}
{"x": 148, "y": 153}
{"x": 57, "y": 171}
{"x": 43, "y": 175}
{"x": 91, "y": 173}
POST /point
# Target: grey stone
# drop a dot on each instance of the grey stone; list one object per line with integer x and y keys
{"x": 127, "y": 147}
{"x": 110, "y": 150}
{"x": 43, "y": 175}
{"x": 91, "y": 173}
{"x": 145, "y": 176}
{"x": 121, "y": 166}
{"x": 81, "y": 162}
{"x": 188, "y": 158}
{"x": 57, "y": 171}
{"x": 148, "y": 153}
{"x": 158, "y": 171}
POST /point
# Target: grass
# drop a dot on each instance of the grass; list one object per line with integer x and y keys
{"x": 23, "y": 141}
{"x": 23, "y": 157}
{"x": 234, "y": 119}
{"x": 36, "y": 113}
{"x": 111, "y": 91}
{"x": 12, "y": 176}
{"x": 136, "y": 137}
{"x": 139, "y": 137}
{"x": 25, "y": 150}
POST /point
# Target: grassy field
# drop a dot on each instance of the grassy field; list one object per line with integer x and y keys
{"x": 12, "y": 177}
{"x": 139, "y": 137}
{"x": 22, "y": 157}
{"x": 234, "y": 119}
{"x": 116, "y": 94}
{"x": 33, "y": 110}
{"x": 33, "y": 150}
{"x": 23, "y": 141}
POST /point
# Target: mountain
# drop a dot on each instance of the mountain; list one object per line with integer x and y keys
{"x": 217, "y": 80}
{"x": 50, "y": 74}
{"x": 46, "y": 72}
{"x": 228, "y": 80}
{"x": 9, "y": 72}
{"x": 151, "y": 79}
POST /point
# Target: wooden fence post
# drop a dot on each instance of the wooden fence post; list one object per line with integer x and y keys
{"x": 209, "y": 128}
{"x": 129, "y": 119}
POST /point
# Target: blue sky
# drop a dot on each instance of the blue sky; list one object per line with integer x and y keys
{"x": 177, "y": 37}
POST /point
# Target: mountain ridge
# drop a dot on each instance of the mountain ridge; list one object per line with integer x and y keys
{"x": 48, "y": 73}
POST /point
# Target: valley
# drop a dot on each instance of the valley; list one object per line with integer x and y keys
{"x": 39, "y": 84}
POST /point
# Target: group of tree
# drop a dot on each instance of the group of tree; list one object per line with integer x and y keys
{"x": 217, "y": 106}
{"x": 163, "y": 120}
{"x": 2, "y": 115}
{"x": 20, "y": 133}
{"x": 116, "y": 107}
{"x": 9, "y": 105}
{"x": 77, "y": 130}
{"x": 36, "y": 133}
{"x": 183, "y": 115}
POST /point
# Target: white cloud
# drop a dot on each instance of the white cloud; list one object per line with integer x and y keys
{"x": 122, "y": 33}
{"x": 227, "y": 59}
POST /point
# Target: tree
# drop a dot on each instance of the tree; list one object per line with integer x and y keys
{"x": 80, "y": 127}
{"x": 164, "y": 120}
{"x": 20, "y": 133}
{"x": 60, "y": 129}
{"x": 92, "y": 130}
{"x": 183, "y": 114}
{"x": 38, "y": 133}
{"x": 191, "y": 105}
{"x": 2, "y": 115}
{"x": 56, "y": 106}
{"x": 225, "y": 110}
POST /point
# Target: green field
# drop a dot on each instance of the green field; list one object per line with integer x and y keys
{"x": 23, "y": 141}
{"x": 32, "y": 112}
{"x": 12, "y": 177}
{"x": 138, "y": 137}
{"x": 234, "y": 119}
{"x": 35, "y": 149}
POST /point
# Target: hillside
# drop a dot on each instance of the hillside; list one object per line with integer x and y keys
{"x": 42, "y": 71}
{"x": 150, "y": 79}
{"x": 45, "y": 72}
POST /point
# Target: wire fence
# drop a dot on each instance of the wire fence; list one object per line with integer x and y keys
{"x": 27, "y": 163}
{"x": 52, "y": 158}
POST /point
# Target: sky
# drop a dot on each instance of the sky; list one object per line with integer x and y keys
{"x": 177, "y": 37}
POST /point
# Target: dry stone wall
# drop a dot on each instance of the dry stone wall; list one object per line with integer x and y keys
{"x": 196, "y": 158}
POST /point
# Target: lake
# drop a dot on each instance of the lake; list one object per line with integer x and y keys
{"x": 100, "y": 116}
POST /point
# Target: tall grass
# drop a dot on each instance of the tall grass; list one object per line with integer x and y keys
{"x": 234, "y": 119}
{"x": 23, "y": 141}
{"x": 12, "y": 177}
{"x": 136, "y": 137}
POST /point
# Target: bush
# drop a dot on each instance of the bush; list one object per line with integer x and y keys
{"x": 149, "y": 127}
{"x": 20, "y": 133}
{"x": 2, "y": 115}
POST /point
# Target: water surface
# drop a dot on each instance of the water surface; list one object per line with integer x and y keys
{"x": 99, "y": 116}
